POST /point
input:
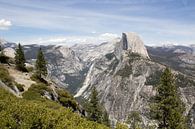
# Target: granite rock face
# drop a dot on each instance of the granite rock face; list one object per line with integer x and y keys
{"x": 133, "y": 43}
{"x": 120, "y": 78}
{"x": 126, "y": 78}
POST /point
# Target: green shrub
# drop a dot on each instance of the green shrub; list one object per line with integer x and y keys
{"x": 109, "y": 56}
{"x": 67, "y": 100}
{"x": 5, "y": 77}
{"x": 20, "y": 87}
{"x": 37, "y": 79}
{"x": 121, "y": 126}
{"x": 36, "y": 91}
{"x": 4, "y": 59}
{"x": 19, "y": 113}
{"x": 29, "y": 69}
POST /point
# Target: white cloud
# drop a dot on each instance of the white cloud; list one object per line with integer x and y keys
{"x": 71, "y": 40}
{"x": 5, "y": 24}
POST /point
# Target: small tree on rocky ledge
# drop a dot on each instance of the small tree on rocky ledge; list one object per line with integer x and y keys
{"x": 41, "y": 65}
{"x": 20, "y": 58}
{"x": 168, "y": 108}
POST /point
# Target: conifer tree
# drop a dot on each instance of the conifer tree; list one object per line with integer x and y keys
{"x": 105, "y": 120}
{"x": 168, "y": 108}
{"x": 20, "y": 58}
{"x": 95, "y": 111}
{"x": 41, "y": 65}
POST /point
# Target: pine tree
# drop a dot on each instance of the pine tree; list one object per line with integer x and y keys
{"x": 105, "y": 120}
{"x": 41, "y": 65}
{"x": 168, "y": 108}
{"x": 95, "y": 111}
{"x": 20, "y": 58}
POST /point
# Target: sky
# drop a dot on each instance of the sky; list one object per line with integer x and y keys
{"x": 94, "y": 21}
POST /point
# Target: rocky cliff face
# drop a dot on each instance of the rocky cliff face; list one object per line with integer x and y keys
{"x": 121, "y": 83}
{"x": 126, "y": 78}
{"x": 133, "y": 43}
{"x": 120, "y": 78}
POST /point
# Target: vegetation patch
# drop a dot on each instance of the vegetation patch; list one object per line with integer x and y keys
{"x": 36, "y": 91}
{"x": 36, "y": 78}
{"x": 110, "y": 56}
{"x": 133, "y": 56}
{"x": 126, "y": 71}
{"x": 16, "y": 113}
{"x": 67, "y": 100}
{"x": 30, "y": 69}
{"x": 5, "y": 77}
{"x": 4, "y": 59}
{"x": 19, "y": 86}
{"x": 154, "y": 78}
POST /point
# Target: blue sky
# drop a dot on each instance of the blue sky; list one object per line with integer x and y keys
{"x": 68, "y": 21}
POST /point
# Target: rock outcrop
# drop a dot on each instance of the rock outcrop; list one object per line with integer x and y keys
{"x": 9, "y": 52}
{"x": 133, "y": 43}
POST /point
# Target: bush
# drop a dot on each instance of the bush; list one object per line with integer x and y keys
{"x": 67, "y": 100}
{"x": 4, "y": 59}
{"x": 5, "y": 77}
{"x": 110, "y": 56}
{"x": 25, "y": 114}
{"x": 29, "y": 69}
{"x": 36, "y": 91}
{"x": 37, "y": 79}
{"x": 121, "y": 126}
{"x": 20, "y": 87}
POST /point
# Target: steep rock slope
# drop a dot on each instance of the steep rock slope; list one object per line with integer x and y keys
{"x": 125, "y": 80}
{"x": 120, "y": 78}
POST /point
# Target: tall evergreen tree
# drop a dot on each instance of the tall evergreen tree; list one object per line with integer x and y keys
{"x": 41, "y": 65}
{"x": 20, "y": 58}
{"x": 95, "y": 110}
{"x": 168, "y": 108}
